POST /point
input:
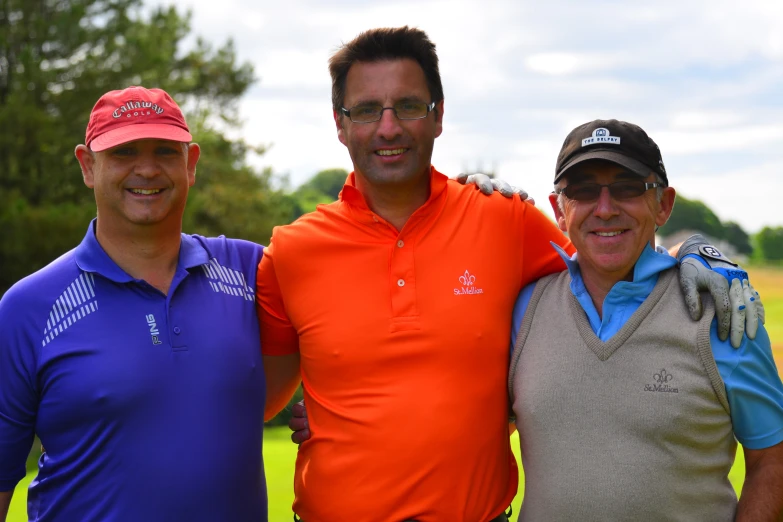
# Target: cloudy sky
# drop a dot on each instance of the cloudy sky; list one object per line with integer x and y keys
{"x": 704, "y": 78}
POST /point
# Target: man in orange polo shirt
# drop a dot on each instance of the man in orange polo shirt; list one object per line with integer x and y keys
{"x": 393, "y": 304}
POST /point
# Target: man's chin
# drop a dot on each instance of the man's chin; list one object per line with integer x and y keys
{"x": 390, "y": 176}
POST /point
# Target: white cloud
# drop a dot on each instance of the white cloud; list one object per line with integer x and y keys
{"x": 293, "y": 68}
{"x": 721, "y": 139}
{"x": 559, "y": 63}
{"x": 690, "y": 120}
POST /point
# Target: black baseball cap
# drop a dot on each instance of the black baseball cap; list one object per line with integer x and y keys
{"x": 616, "y": 141}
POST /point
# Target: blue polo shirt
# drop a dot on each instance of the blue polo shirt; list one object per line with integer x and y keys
{"x": 753, "y": 386}
{"x": 150, "y": 406}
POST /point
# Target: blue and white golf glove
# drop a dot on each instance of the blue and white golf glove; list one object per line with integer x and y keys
{"x": 738, "y": 307}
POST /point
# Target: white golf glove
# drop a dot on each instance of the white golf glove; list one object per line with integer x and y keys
{"x": 488, "y": 185}
{"x": 704, "y": 268}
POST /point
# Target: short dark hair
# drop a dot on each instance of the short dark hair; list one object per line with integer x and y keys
{"x": 386, "y": 43}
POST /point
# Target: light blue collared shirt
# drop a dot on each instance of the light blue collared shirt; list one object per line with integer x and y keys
{"x": 753, "y": 386}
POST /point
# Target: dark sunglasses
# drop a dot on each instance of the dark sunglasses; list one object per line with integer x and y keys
{"x": 618, "y": 190}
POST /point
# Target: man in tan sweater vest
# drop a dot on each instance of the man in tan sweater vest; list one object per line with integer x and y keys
{"x": 627, "y": 409}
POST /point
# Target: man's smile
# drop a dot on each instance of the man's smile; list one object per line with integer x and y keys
{"x": 144, "y": 192}
{"x": 391, "y": 152}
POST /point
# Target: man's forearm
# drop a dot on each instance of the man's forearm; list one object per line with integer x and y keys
{"x": 5, "y": 502}
{"x": 282, "y": 378}
{"x": 762, "y": 492}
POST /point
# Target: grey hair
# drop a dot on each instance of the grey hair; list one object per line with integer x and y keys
{"x": 659, "y": 190}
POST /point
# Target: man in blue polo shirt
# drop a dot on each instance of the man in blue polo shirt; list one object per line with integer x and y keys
{"x": 626, "y": 409}
{"x": 135, "y": 357}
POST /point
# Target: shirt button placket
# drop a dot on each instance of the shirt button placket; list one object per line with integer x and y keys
{"x": 401, "y": 281}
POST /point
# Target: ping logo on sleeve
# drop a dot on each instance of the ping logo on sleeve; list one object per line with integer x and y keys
{"x": 154, "y": 332}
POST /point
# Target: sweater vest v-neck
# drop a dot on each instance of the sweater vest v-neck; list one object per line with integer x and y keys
{"x": 634, "y": 428}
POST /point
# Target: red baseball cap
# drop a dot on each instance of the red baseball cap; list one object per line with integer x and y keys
{"x": 133, "y": 114}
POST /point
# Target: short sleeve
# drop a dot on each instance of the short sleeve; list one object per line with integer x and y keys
{"x": 18, "y": 395}
{"x": 753, "y": 388}
{"x": 539, "y": 258}
{"x": 278, "y": 335}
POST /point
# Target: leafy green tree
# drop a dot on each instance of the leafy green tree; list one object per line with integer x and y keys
{"x": 57, "y": 57}
{"x": 770, "y": 243}
{"x": 230, "y": 197}
{"x": 737, "y": 237}
{"x": 324, "y": 187}
{"x": 33, "y": 235}
{"x": 692, "y": 215}
{"x": 329, "y": 182}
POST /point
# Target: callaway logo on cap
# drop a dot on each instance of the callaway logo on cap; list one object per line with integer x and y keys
{"x": 616, "y": 141}
{"x": 133, "y": 114}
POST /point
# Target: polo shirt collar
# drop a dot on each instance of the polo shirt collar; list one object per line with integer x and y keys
{"x": 650, "y": 263}
{"x": 91, "y": 257}
{"x": 191, "y": 252}
{"x": 355, "y": 199}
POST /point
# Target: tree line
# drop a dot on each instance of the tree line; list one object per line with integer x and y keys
{"x": 764, "y": 246}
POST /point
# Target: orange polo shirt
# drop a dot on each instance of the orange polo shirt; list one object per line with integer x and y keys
{"x": 404, "y": 339}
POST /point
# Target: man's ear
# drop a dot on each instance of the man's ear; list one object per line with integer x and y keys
{"x": 194, "y": 153}
{"x": 559, "y": 216}
{"x": 665, "y": 206}
{"x": 338, "y": 121}
{"x": 86, "y": 159}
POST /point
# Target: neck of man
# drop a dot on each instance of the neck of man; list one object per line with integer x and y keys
{"x": 395, "y": 203}
{"x": 149, "y": 253}
{"x": 599, "y": 285}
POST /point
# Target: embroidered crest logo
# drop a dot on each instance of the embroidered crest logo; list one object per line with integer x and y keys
{"x": 467, "y": 279}
{"x": 662, "y": 378}
{"x": 468, "y": 283}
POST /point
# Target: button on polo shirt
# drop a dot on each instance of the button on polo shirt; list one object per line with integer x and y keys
{"x": 149, "y": 405}
{"x": 403, "y": 337}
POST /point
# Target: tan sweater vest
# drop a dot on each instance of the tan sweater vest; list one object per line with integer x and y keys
{"x": 633, "y": 429}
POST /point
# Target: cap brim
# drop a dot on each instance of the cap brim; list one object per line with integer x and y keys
{"x": 637, "y": 167}
{"x": 139, "y": 131}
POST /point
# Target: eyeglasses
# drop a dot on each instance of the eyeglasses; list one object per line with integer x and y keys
{"x": 618, "y": 190}
{"x": 404, "y": 110}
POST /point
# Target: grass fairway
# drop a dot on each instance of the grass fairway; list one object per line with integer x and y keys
{"x": 769, "y": 283}
{"x": 280, "y": 453}
{"x": 279, "y": 457}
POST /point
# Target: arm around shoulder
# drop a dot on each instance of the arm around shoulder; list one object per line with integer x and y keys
{"x": 762, "y": 492}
